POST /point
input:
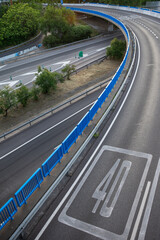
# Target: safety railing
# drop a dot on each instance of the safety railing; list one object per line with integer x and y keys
{"x": 7, "y": 212}
{"x": 52, "y": 161}
{"x": 29, "y": 187}
{"x": 36, "y": 179}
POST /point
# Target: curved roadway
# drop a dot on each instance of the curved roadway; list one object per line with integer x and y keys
{"x": 116, "y": 196}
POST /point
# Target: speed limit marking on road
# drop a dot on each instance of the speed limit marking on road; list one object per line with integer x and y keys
{"x": 106, "y": 199}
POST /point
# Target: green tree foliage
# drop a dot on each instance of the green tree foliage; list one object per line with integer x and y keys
{"x": 58, "y": 25}
{"x": 67, "y": 70}
{"x": 117, "y": 49}
{"x": 35, "y": 92}
{"x": 23, "y": 95}
{"x": 18, "y": 24}
{"x": 7, "y": 100}
{"x": 46, "y": 81}
{"x": 3, "y": 9}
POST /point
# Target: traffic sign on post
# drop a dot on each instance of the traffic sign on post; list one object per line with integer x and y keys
{"x": 81, "y": 54}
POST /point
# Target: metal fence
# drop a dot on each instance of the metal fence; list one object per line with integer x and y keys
{"x": 29, "y": 187}
{"x": 7, "y": 212}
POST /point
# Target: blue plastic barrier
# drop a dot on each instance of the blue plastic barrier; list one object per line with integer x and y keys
{"x": 29, "y": 187}
{"x": 7, "y": 212}
{"x": 52, "y": 161}
{"x": 70, "y": 139}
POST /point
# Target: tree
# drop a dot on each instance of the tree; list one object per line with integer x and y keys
{"x": 117, "y": 49}
{"x": 18, "y": 24}
{"x": 67, "y": 70}
{"x": 35, "y": 91}
{"x": 46, "y": 81}
{"x": 58, "y": 77}
{"x": 7, "y": 100}
{"x": 23, "y": 95}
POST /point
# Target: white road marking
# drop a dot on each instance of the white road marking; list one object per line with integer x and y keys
{"x": 92, "y": 156}
{"x": 26, "y": 74}
{"x": 140, "y": 211}
{"x": 7, "y": 154}
{"x": 149, "y": 204}
{"x": 10, "y": 83}
{"x": 2, "y": 66}
{"x": 100, "y": 49}
{"x": 99, "y": 232}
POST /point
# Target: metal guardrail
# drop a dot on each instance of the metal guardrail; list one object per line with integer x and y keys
{"x": 7, "y": 212}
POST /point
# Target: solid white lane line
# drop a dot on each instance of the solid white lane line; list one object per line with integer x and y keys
{"x": 140, "y": 211}
{"x": 94, "y": 153}
{"x": 149, "y": 204}
{"x": 7, "y": 154}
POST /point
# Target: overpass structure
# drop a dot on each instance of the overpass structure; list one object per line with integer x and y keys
{"x": 115, "y": 195}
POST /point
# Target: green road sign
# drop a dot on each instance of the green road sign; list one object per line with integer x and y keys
{"x": 81, "y": 54}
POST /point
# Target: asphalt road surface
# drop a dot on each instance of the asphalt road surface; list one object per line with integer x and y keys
{"x": 24, "y": 69}
{"x": 115, "y": 193}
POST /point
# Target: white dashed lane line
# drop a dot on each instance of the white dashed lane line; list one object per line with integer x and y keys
{"x": 150, "y": 30}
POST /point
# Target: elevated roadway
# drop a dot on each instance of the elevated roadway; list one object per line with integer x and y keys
{"x": 114, "y": 195}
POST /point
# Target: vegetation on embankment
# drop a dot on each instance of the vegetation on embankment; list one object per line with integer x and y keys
{"x": 22, "y": 21}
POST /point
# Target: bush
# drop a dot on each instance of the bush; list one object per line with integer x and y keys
{"x": 67, "y": 70}
{"x": 7, "y": 100}
{"x": 23, "y": 95}
{"x": 117, "y": 49}
{"x": 51, "y": 41}
{"x": 35, "y": 92}
{"x": 81, "y": 32}
{"x": 46, "y": 81}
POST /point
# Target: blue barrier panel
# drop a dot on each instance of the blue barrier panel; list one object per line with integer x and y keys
{"x": 93, "y": 110}
{"x": 52, "y": 161}
{"x": 83, "y": 123}
{"x": 70, "y": 139}
{"x": 155, "y": 11}
{"x": 29, "y": 187}
{"x": 7, "y": 212}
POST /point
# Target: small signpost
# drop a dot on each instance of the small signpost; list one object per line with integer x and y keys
{"x": 80, "y": 54}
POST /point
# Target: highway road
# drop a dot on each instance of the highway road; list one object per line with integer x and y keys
{"x": 114, "y": 195}
{"x": 24, "y": 69}
{"x": 22, "y": 154}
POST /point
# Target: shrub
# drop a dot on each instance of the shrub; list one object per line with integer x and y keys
{"x": 23, "y": 95}
{"x": 51, "y": 41}
{"x": 67, "y": 70}
{"x": 117, "y": 49}
{"x": 7, "y": 100}
{"x": 46, "y": 81}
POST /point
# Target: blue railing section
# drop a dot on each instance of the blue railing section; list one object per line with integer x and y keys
{"x": 29, "y": 187}
{"x": 52, "y": 161}
{"x": 7, "y": 212}
{"x": 21, "y": 196}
